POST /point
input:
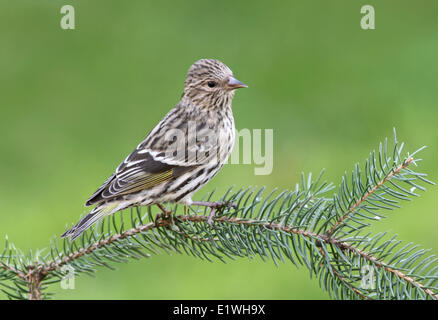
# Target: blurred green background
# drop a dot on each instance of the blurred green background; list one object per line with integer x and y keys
{"x": 74, "y": 103}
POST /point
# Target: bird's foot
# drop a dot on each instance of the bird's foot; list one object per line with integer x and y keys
{"x": 164, "y": 215}
{"x": 214, "y": 206}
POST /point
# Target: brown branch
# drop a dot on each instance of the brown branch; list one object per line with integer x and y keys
{"x": 33, "y": 279}
{"x": 12, "y": 269}
{"x": 369, "y": 193}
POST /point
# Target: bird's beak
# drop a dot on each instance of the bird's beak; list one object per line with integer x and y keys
{"x": 233, "y": 83}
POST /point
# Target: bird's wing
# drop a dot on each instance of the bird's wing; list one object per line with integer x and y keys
{"x": 139, "y": 171}
{"x": 168, "y": 151}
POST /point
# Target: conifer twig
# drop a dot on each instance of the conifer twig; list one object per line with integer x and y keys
{"x": 397, "y": 170}
{"x": 306, "y": 226}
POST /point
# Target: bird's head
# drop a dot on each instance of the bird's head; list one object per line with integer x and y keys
{"x": 210, "y": 84}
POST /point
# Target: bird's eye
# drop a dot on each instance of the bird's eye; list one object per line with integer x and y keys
{"x": 211, "y": 84}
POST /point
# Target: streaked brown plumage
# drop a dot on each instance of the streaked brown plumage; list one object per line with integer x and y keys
{"x": 182, "y": 153}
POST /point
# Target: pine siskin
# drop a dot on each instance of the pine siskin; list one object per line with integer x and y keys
{"x": 181, "y": 154}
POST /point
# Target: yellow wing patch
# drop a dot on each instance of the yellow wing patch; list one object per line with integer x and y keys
{"x": 148, "y": 181}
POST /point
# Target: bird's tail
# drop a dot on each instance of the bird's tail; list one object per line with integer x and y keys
{"x": 96, "y": 214}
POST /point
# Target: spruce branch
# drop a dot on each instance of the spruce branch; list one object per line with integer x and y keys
{"x": 369, "y": 193}
{"x": 306, "y": 226}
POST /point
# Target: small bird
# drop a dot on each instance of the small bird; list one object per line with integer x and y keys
{"x": 184, "y": 151}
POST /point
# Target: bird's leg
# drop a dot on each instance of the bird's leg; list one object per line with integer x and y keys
{"x": 166, "y": 213}
{"x": 214, "y": 206}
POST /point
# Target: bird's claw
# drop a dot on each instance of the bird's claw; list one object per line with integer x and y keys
{"x": 218, "y": 205}
{"x": 165, "y": 215}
